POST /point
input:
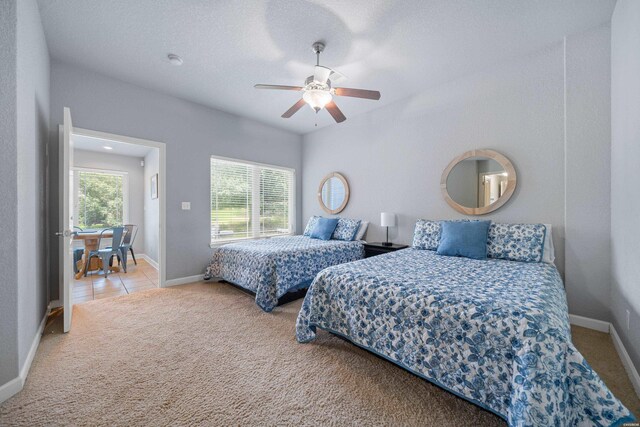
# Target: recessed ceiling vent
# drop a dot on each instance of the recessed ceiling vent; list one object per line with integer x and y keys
{"x": 175, "y": 59}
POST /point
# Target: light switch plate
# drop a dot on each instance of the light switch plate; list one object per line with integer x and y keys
{"x": 186, "y": 206}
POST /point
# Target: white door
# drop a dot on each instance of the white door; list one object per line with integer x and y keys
{"x": 66, "y": 200}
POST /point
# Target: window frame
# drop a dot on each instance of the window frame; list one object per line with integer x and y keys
{"x": 125, "y": 190}
{"x": 256, "y": 186}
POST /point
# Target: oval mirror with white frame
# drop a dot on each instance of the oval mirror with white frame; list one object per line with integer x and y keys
{"x": 478, "y": 182}
{"x": 333, "y": 193}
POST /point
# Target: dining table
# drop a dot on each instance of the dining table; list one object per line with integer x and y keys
{"x": 91, "y": 240}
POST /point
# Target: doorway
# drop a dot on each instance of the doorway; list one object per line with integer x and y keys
{"x": 492, "y": 186}
{"x": 114, "y": 183}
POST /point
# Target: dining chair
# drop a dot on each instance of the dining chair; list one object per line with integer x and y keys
{"x": 107, "y": 253}
{"x": 127, "y": 244}
{"x": 78, "y": 252}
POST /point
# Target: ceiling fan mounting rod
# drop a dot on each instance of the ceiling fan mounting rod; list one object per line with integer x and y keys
{"x": 318, "y": 47}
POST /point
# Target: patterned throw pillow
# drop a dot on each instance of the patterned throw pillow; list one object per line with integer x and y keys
{"x": 346, "y": 229}
{"x": 427, "y": 234}
{"x": 516, "y": 242}
{"x": 311, "y": 225}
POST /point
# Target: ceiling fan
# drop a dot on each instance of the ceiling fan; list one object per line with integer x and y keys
{"x": 318, "y": 91}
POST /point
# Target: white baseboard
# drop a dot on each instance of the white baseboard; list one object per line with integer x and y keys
{"x": 55, "y": 303}
{"x": 626, "y": 360}
{"x": 11, "y": 388}
{"x": 15, "y": 385}
{"x": 607, "y": 327}
{"x": 184, "y": 280}
{"x": 151, "y": 262}
{"x": 585, "y": 322}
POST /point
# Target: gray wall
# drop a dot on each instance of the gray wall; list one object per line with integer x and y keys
{"x": 588, "y": 174}
{"x": 8, "y": 194}
{"x": 393, "y": 157}
{"x": 24, "y": 86}
{"x": 135, "y": 172}
{"x": 33, "y": 128}
{"x": 489, "y": 165}
{"x": 151, "y": 207}
{"x": 458, "y": 183}
{"x": 191, "y": 132}
{"x": 625, "y": 173}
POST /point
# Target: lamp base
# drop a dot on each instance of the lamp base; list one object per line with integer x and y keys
{"x": 387, "y": 244}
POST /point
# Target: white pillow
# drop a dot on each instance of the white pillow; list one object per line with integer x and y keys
{"x": 548, "y": 252}
{"x": 362, "y": 230}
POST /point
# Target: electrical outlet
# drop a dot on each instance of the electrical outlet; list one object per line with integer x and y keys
{"x": 628, "y": 319}
{"x": 186, "y": 206}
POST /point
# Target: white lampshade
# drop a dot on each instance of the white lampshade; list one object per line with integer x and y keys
{"x": 387, "y": 219}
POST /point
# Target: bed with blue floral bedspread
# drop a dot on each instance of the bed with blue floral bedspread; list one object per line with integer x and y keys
{"x": 272, "y": 267}
{"x": 494, "y": 332}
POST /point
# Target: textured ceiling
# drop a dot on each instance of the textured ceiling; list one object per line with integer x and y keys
{"x": 397, "y": 47}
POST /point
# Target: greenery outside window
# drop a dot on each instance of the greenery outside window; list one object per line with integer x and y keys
{"x": 100, "y": 198}
{"x": 250, "y": 200}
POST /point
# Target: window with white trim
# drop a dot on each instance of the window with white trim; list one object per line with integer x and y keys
{"x": 100, "y": 198}
{"x": 250, "y": 200}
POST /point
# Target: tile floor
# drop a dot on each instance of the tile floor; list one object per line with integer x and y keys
{"x": 96, "y": 286}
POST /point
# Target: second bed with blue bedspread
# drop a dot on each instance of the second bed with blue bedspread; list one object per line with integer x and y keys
{"x": 494, "y": 332}
{"x": 272, "y": 267}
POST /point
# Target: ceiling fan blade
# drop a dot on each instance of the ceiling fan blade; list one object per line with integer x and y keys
{"x": 278, "y": 87}
{"x": 291, "y": 111}
{"x": 321, "y": 74}
{"x": 357, "y": 93}
{"x": 335, "y": 112}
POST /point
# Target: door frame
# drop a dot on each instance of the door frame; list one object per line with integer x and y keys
{"x": 162, "y": 189}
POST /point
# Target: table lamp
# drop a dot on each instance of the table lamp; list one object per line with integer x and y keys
{"x": 387, "y": 219}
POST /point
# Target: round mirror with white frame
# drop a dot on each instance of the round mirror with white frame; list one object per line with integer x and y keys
{"x": 333, "y": 193}
{"x": 478, "y": 182}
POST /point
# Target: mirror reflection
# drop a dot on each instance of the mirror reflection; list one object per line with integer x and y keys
{"x": 333, "y": 193}
{"x": 477, "y": 182}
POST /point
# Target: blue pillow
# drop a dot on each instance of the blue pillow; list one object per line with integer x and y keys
{"x": 324, "y": 228}
{"x": 466, "y": 239}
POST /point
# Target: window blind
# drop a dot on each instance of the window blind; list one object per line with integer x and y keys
{"x": 250, "y": 200}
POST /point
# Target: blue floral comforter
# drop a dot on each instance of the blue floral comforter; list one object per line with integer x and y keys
{"x": 272, "y": 267}
{"x": 493, "y": 332}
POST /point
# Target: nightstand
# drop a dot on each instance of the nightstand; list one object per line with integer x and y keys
{"x": 377, "y": 248}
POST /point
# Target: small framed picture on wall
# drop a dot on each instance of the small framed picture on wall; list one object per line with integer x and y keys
{"x": 154, "y": 186}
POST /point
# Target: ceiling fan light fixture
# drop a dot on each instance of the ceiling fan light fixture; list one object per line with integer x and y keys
{"x": 317, "y": 98}
{"x": 318, "y": 90}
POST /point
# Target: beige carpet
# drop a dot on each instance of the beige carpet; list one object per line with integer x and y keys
{"x": 205, "y": 354}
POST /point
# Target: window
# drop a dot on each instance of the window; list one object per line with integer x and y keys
{"x": 250, "y": 200}
{"x": 99, "y": 198}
